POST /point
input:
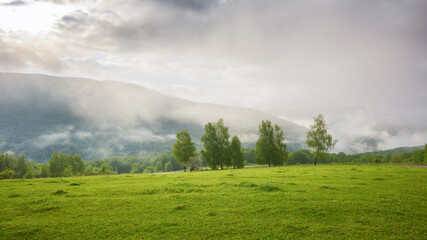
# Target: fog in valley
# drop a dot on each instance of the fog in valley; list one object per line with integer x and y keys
{"x": 167, "y": 65}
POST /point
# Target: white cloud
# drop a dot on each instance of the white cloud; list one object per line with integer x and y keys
{"x": 45, "y": 140}
{"x": 83, "y": 135}
{"x": 34, "y": 18}
{"x": 290, "y": 58}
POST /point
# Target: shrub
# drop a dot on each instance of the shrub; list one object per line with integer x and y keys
{"x": 149, "y": 169}
{"x": 168, "y": 167}
{"x": 159, "y": 167}
{"x": 7, "y": 173}
{"x": 68, "y": 172}
{"x": 43, "y": 171}
{"x": 105, "y": 169}
{"x": 29, "y": 174}
{"x": 89, "y": 171}
{"x": 194, "y": 164}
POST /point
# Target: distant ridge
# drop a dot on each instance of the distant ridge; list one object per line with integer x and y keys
{"x": 398, "y": 150}
{"x": 98, "y": 119}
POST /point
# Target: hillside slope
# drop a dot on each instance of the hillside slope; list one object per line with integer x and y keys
{"x": 104, "y": 118}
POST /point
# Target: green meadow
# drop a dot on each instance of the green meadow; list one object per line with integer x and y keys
{"x": 291, "y": 202}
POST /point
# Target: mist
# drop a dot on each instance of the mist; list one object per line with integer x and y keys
{"x": 361, "y": 64}
{"x": 106, "y": 118}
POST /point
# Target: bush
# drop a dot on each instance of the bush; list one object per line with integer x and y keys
{"x": 29, "y": 174}
{"x": 43, "y": 171}
{"x": 89, "y": 171}
{"x": 68, "y": 172}
{"x": 7, "y": 173}
{"x": 300, "y": 157}
{"x": 194, "y": 164}
{"x": 159, "y": 167}
{"x": 149, "y": 169}
{"x": 105, "y": 169}
{"x": 168, "y": 167}
{"x": 134, "y": 170}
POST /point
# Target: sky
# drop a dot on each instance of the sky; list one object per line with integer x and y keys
{"x": 363, "y": 64}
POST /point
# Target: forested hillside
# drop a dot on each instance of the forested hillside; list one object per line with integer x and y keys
{"x": 63, "y": 165}
{"x": 100, "y": 119}
{"x": 411, "y": 155}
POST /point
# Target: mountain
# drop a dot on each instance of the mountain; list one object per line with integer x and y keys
{"x": 97, "y": 119}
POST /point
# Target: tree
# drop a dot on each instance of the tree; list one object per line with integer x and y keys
{"x": 210, "y": 152}
{"x": 302, "y": 156}
{"x": 418, "y": 156}
{"x": 21, "y": 167}
{"x": 7, "y": 173}
{"x": 280, "y": 155}
{"x": 269, "y": 148}
{"x": 183, "y": 149}
{"x": 318, "y": 138}
{"x": 134, "y": 169}
{"x": 425, "y": 153}
{"x": 395, "y": 159}
{"x": 89, "y": 171}
{"x": 105, "y": 169}
{"x": 78, "y": 164}
{"x": 149, "y": 169}
{"x": 29, "y": 174}
{"x": 168, "y": 167}
{"x": 249, "y": 155}
{"x": 387, "y": 158}
{"x": 236, "y": 153}
{"x": 223, "y": 138}
{"x": 7, "y": 161}
{"x": 159, "y": 167}
{"x": 56, "y": 164}
{"x": 141, "y": 167}
{"x": 341, "y": 157}
{"x": 194, "y": 163}
{"x": 68, "y": 171}
{"x": 216, "y": 145}
{"x": 43, "y": 171}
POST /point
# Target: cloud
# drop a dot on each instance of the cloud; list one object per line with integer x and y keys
{"x": 63, "y": 2}
{"x": 195, "y": 5}
{"x": 359, "y": 130}
{"x": 62, "y": 137}
{"x": 290, "y": 58}
{"x": 17, "y": 54}
{"x": 15, "y": 3}
{"x": 83, "y": 135}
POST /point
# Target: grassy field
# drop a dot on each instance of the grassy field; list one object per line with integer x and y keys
{"x": 322, "y": 202}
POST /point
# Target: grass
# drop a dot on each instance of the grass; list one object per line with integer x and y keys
{"x": 322, "y": 202}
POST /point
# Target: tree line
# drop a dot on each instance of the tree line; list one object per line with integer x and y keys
{"x": 400, "y": 155}
{"x": 12, "y": 166}
{"x": 270, "y": 149}
{"x": 219, "y": 152}
{"x": 66, "y": 165}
